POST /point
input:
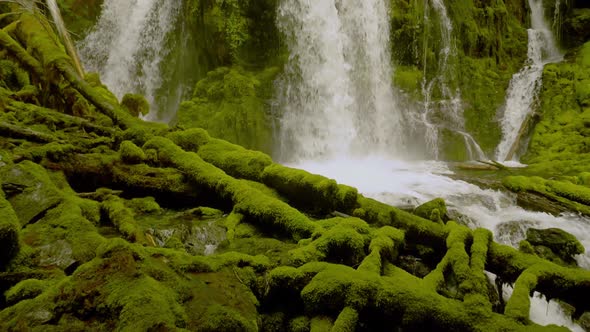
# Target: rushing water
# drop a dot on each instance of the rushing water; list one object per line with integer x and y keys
{"x": 128, "y": 44}
{"x": 408, "y": 184}
{"x": 336, "y": 95}
{"x": 442, "y": 108}
{"x": 335, "y": 100}
{"x": 525, "y": 85}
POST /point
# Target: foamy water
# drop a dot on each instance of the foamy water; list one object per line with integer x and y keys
{"x": 405, "y": 184}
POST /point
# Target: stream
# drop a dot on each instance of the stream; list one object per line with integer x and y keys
{"x": 408, "y": 184}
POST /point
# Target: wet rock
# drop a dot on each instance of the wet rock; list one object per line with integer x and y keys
{"x": 30, "y": 191}
{"x": 39, "y": 316}
{"x": 559, "y": 242}
{"x": 584, "y": 321}
{"x": 427, "y": 210}
{"x": 9, "y": 230}
{"x": 58, "y": 253}
{"x": 413, "y": 265}
{"x": 198, "y": 238}
{"x": 512, "y": 232}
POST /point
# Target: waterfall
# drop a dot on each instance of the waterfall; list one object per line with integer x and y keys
{"x": 335, "y": 97}
{"x": 526, "y": 84}
{"x": 442, "y": 107}
{"x": 128, "y": 44}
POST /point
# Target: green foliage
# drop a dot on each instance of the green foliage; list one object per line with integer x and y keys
{"x": 490, "y": 38}
{"x": 560, "y": 141}
{"x": 231, "y": 104}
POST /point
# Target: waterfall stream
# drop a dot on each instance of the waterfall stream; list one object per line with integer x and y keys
{"x": 336, "y": 95}
{"x": 526, "y": 84}
{"x": 333, "y": 83}
{"x": 443, "y": 106}
{"x": 128, "y": 44}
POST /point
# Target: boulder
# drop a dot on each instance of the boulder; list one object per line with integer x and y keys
{"x": 427, "y": 210}
{"x": 9, "y": 230}
{"x": 560, "y": 242}
{"x": 30, "y": 191}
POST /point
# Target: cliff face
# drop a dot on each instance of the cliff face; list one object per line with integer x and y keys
{"x": 239, "y": 45}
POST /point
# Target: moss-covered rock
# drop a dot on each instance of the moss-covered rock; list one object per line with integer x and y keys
{"x": 231, "y": 104}
{"x": 131, "y": 153}
{"x": 9, "y": 231}
{"x": 427, "y": 210}
{"x": 562, "y": 243}
{"x": 29, "y": 190}
{"x": 135, "y": 104}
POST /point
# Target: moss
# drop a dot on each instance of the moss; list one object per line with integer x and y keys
{"x": 314, "y": 192}
{"x": 235, "y": 160}
{"x": 518, "y": 306}
{"x": 26, "y": 289}
{"x": 35, "y": 192}
{"x": 79, "y": 15}
{"x": 254, "y": 205}
{"x": 230, "y": 104}
{"x": 190, "y": 139}
{"x": 573, "y": 197}
{"x": 427, "y": 209}
{"x": 9, "y": 232}
{"x": 346, "y": 321}
{"x": 321, "y": 324}
{"x": 131, "y": 153}
{"x": 219, "y": 318}
{"x": 560, "y": 140}
{"x": 343, "y": 243}
{"x": 135, "y": 104}
{"x": 299, "y": 324}
{"x": 146, "y": 205}
{"x": 123, "y": 219}
{"x": 564, "y": 244}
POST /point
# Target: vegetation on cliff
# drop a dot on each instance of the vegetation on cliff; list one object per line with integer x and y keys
{"x": 100, "y": 212}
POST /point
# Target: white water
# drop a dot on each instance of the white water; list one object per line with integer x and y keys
{"x": 445, "y": 110}
{"x": 128, "y": 45}
{"x": 336, "y": 96}
{"x": 525, "y": 85}
{"x": 408, "y": 184}
{"x": 545, "y": 312}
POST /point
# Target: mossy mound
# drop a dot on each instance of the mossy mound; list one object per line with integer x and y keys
{"x": 231, "y": 103}
{"x": 559, "y": 143}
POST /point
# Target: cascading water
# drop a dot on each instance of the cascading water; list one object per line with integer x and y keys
{"x": 442, "y": 106}
{"x": 319, "y": 97}
{"x": 336, "y": 97}
{"x": 127, "y": 46}
{"x": 525, "y": 85}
